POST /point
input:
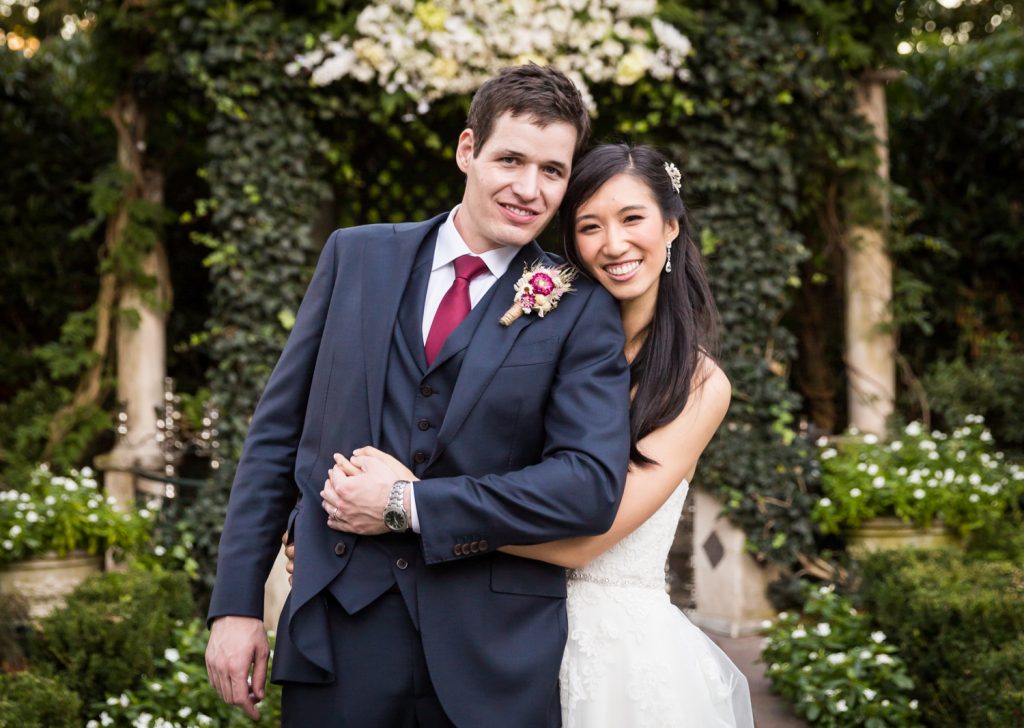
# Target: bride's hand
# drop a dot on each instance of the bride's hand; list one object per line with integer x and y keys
{"x": 401, "y": 472}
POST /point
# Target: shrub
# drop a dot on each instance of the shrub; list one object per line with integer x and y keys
{"x": 997, "y": 688}
{"x": 177, "y": 693}
{"x": 835, "y": 670}
{"x": 111, "y": 630}
{"x": 33, "y": 701}
{"x": 950, "y": 617}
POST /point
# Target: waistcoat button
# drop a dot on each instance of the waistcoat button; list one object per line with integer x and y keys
{"x": 423, "y": 424}
{"x": 340, "y": 548}
{"x": 419, "y": 457}
{"x": 426, "y": 390}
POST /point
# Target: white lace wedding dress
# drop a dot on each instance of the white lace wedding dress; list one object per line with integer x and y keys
{"x": 633, "y": 659}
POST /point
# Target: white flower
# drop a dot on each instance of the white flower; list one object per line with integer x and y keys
{"x": 864, "y": 654}
{"x": 883, "y": 659}
{"x": 92, "y": 724}
{"x": 185, "y": 712}
{"x": 919, "y": 494}
{"x": 862, "y": 467}
{"x": 821, "y": 441}
{"x": 823, "y": 629}
{"x": 49, "y": 500}
{"x": 111, "y": 700}
{"x": 181, "y": 677}
{"x": 927, "y": 445}
{"x": 986, "y": 436}
{"x": 841, "y": 706}
{"x": 872, "y": 469}
{"x": 31, "y": 516}
{"x": 933, "y": 455}
{"x": 203, "y": 719}
{"x": 913, "y": 705}
{"x": 828, "y": 454}
{"x": 974, "y": 498}
{"x": 143, "y": 721}
{"x": 93, "y": 518}
{"x": 913, "y": 429}
{"x": 123, "y": 700}
{"x": 156, "y": 687}
{"x": 159, "y": 550}
{"x": 878, "y": 636}
{"x": 105, "y": 719}
{"x": 799, "y": 633}
{"x": 825, "y": 502}
{"x": 878, "y": 482}
{"x": 855, "y": 492}
{"x": 15, "y": 530}
{"x": 895, "y": 445}
{"x": 870, "y": 439}
{"x": 8, "y": 544}
{"x": 837, "y": 658}
{"x": 885, "y": 703}
{"x": 869, "y": 694}
{"x": 172, "y": 655}
{"x": 766, "y": 623}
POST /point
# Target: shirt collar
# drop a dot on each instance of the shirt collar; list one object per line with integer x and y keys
{"x": 450, "y": 246}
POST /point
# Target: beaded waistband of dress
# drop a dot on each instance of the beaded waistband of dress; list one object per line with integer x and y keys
{"x": 620, "y": 581}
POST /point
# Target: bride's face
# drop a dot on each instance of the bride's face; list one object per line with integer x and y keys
{"x": 621, "y": 236}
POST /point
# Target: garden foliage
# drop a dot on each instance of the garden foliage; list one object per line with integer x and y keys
{"x": 835, "y": 669}
{"x": 113, "y": 627}
{"x": 958, "y": 624}
{"x": 28, "y": 700}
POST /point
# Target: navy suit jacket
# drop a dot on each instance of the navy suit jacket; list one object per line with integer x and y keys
{"x": 533, "y": 447}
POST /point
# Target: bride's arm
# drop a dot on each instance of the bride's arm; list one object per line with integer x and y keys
{"x": 676, "y": 447}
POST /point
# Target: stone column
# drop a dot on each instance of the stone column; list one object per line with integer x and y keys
{"x": 731, "y": 587}
{"x": 870, "y": 342}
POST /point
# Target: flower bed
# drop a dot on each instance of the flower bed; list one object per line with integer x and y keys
{"x": 922, "y": 476}
{"x": 835, "y": 669}
{"x": 61, "y": 513}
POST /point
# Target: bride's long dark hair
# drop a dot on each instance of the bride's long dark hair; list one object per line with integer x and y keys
{"x": 685, "y": 323}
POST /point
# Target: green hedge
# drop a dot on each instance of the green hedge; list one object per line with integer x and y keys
{"x": 33, "y": 701}
{"x": 959, "y": 624}
{"x": 114, "y": 625}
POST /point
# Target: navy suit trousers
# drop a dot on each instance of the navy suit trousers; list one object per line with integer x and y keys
{"x": 383, "y": 681}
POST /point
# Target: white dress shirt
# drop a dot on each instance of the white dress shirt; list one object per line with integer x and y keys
{"x": 448, "y": 247}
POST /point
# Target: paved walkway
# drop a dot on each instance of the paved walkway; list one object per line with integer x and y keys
{"x": 770, "y": 711}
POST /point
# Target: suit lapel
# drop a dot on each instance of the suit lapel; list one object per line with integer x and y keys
{"x": 386, "y": 267}
{"x": 488, "y": 347}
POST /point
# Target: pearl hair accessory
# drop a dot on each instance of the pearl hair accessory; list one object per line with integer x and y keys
{"x": 675, "y": 176}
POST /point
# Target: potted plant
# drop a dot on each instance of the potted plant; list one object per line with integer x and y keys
{"x": 918, "y": 489}
{"x": 54, "y": 530}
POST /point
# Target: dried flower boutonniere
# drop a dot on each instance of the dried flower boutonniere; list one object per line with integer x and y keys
{"x": 539, "y": 289}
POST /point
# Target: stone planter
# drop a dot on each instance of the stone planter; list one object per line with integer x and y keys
{"x": 44, "y": 581}
{"x": 879, "y": 534}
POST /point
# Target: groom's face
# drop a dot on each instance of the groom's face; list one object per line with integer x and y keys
{"x": 514, "y": 182}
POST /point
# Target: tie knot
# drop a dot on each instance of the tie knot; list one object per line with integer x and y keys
{"x": 469, "y": 267}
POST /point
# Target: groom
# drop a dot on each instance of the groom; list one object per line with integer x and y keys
{"x": 518, "y": 434}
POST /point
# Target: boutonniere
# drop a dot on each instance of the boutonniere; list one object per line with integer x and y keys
{"x": 539, "y": 289}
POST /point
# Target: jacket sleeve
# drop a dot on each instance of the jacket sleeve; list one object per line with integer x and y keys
{"x": 264, "y": 489}
{"x": 575, "y": 489}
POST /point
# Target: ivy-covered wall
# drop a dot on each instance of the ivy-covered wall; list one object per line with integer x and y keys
{"x": 766, "y": 115}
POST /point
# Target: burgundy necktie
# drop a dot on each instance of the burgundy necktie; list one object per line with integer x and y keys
{"x": 454, "y": 306}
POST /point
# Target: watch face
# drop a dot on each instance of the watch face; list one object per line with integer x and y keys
{"x": 395, "y": 520}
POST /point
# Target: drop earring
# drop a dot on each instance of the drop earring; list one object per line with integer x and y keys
{"x": 668, "y": 257}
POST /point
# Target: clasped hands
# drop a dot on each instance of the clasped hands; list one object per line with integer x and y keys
{"x": 356, "y": 491}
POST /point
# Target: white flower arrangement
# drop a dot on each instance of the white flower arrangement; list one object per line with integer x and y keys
{"x": 436, "y": 48}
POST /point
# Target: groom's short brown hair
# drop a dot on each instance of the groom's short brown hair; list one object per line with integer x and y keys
{"x": 540, "y": 92}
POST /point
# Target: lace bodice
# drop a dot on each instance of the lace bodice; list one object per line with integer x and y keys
{"x": 639, "y": 558}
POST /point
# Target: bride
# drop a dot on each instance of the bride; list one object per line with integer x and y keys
{"x": 632, "y": 659}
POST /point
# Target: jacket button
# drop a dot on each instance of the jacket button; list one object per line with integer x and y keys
{"x": 426, "y": 390}
{"x": 340, "y": 548}
{"x": 423, "y": 424}
{"x": 419, "y": 457}
{"x": 457, "y": 550}
{"x": 483, "y": 544}
{"x": 402, "y": 564}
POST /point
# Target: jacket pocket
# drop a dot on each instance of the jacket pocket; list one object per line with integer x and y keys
{"x": 525, "y": 353}
{"x": 513, "y": 575}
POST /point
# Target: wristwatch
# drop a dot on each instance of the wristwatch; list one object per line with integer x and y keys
{"x": 395, "y": 517}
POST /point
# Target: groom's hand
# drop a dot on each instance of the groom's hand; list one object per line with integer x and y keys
{"x": 356, "y": 502}
{"x": 236, "y": 645}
